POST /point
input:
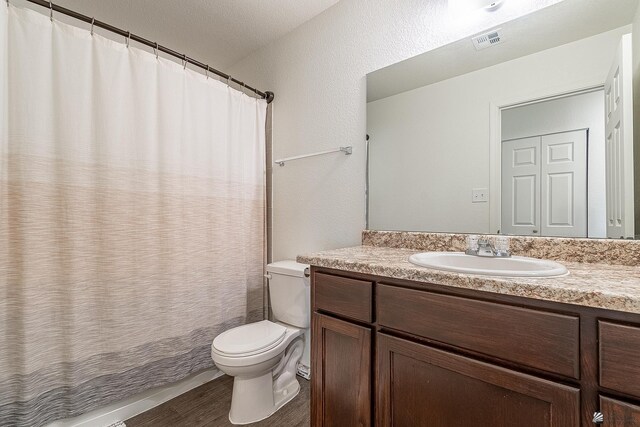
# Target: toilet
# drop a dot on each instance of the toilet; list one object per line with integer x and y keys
{"x": 264, "y": 357}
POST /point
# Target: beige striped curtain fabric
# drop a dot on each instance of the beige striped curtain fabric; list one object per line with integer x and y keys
{"x": 131, "y": 218}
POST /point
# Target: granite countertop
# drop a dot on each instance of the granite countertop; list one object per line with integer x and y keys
{"x": 613, "y": 287}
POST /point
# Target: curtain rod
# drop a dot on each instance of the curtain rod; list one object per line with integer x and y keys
{"x": 130, "y": 36}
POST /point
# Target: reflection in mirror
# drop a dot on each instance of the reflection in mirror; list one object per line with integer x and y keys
{"x": 524, "y": 137}
{"x": 553, "y": 167}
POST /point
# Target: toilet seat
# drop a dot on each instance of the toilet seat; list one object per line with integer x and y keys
{"x": 250, "y": 339}
{"x": 252, "y": 355}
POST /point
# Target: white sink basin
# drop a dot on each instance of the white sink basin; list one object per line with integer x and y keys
{"x": 515, "y": 266}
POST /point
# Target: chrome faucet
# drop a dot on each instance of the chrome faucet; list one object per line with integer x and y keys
{"x": 487, "y": 249}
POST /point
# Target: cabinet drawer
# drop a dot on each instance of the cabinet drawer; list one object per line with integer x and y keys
{"x": 343, "y": 296}
{"x": 537, "y": 339}
{"x": 619, "y": 362}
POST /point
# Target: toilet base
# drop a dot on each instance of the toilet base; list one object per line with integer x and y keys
{"x": 254, "y": 399}
{"x": 283, "y": 397}
{"x": 258, "y": 397}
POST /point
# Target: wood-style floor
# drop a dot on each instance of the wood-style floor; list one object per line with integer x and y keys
{"x": 208, "y": 406}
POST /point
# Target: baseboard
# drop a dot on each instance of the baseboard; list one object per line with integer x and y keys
{"x": 134, "y": 405}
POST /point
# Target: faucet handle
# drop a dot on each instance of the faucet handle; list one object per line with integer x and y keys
{"x": 502, "y": 243}
{"x": 472, "y": 243}
{"x": 502, "y": 246}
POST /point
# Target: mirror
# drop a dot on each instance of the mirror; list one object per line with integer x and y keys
{"x": 531, "y": 133}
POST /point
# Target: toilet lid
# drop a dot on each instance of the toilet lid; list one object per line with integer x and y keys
{"x": 249, "y": 339}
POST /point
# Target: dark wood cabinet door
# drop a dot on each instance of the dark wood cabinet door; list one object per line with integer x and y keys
{"x": 419, "y": 385}
{"x": 619, "y": 414}
{"x": 341, "y": 373}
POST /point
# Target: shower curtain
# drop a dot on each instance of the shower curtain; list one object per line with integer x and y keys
{"x": 131, "y": 218}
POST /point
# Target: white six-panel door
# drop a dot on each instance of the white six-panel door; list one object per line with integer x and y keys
{"x": 619, "y": 143}
{"x": 521, "y": 186}
{"x": 564, "y": 184}
{"x": 544, "y": 185}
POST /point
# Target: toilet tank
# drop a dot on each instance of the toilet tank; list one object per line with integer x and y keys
{"x": 289, "y": 292}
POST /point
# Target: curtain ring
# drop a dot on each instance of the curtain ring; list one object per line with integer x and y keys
{"x": 50, "y": 11}
{"x": 206, "y": 72}
{"x": 228, "y": 81}
{"x": 184, "y": 61}
{"x": 128, "y": 38}
{"x": 93, "y": 20}
{"x": 155, "y": 50}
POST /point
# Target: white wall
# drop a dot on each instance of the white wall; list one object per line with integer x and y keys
{"x": 443, "y": 131}
{"x": 584, "y": 111}
{"x": 318, "y": 75}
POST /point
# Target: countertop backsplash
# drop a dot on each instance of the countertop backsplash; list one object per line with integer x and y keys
{"x": 602, "y": 251}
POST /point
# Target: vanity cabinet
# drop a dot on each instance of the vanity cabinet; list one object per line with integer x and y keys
{"x": 391, "y": 352}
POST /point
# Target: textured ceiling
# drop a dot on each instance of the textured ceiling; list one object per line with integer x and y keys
{"x": 218, "y": 32}
{"x": 561, "y": 23}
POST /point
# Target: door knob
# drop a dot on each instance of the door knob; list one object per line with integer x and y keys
{"x": 598, "y": 418}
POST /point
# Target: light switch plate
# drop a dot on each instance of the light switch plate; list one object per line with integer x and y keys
{"x": 479, "y": 195}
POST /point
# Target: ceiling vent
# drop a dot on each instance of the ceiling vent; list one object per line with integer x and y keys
{"x": 486, "y": 40}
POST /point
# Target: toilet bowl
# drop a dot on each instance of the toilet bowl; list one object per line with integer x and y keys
{"x": 263, "y": 357}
